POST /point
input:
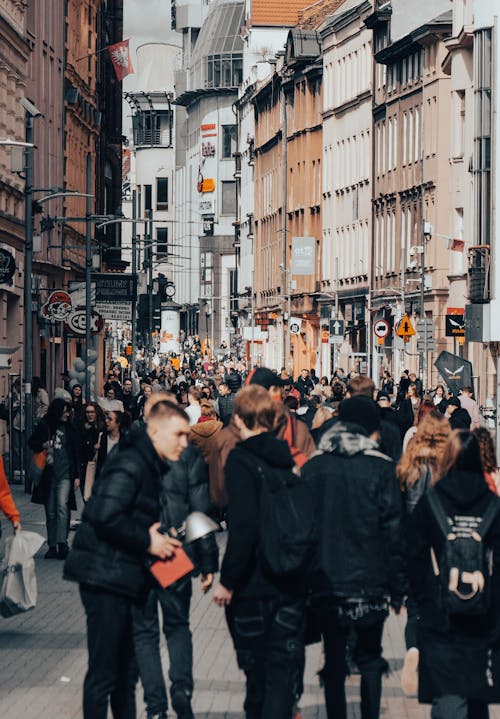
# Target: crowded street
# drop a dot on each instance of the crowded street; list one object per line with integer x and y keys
{"x": 43, "y": 657}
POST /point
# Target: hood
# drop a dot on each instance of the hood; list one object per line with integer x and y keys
{"x": 206, "y": 429}
{"x": 272, "y": 450}
{"x": 345, "y": 439}
{"x": 463, "y": 489}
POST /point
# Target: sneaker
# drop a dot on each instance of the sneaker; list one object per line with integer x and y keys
{"x": 409, "y": 674}
{"x": 181, "y": 704}
{"x": 161, "y": 715}
{"x": 62, "y": 551}
{"x": 51, "y": 554}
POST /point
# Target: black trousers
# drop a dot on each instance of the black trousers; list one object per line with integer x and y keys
{"x": 112, "y": 674}
{"x": 174, "y": 603}
{"x": 268, "y": 636}
{"x": 365, "y": 639}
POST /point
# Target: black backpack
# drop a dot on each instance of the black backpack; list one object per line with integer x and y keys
{"x": 466, "y": 563}
{"x": 288, "y": 531}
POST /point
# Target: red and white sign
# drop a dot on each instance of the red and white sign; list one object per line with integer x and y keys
{"x": 75, "y": 322}
{"x": 381, "y": 328}
{"x": 57, "y": 307}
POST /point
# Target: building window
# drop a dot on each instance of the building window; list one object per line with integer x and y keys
{"x": 228, "y": 141}
{"x": 153, "y": 127}
{"x": 161, "y": 241}
{"x": 482, "y": 136}
{"x": 458, "y": 123}
{"x": 228, "y": 199}
{"x": 162, "y": 193}
{"x": 147, "y": 198}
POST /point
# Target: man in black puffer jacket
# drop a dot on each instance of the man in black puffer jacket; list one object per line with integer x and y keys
{"x": 184, "y": 490}
{"x": 358, "y": 569}
{"x": 119, "y": 531}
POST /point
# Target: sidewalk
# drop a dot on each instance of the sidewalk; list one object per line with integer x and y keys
{"x": 43, "y": 655}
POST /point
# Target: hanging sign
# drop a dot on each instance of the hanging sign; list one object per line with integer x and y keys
{"x": 7, "y": 266}
{"x": 75, "y": 321}
{"x": 294, "y": 324}
{"x": 57, "y": 308}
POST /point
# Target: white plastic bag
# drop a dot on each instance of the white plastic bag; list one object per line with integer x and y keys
{"x": 18, "y": 590}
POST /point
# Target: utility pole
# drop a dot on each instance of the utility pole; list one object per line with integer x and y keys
{"x": 134, "y": 279}
{"x": 28, "y": 302}
{"x": 88, "y": 276}
{"x": 148, "y": 232}
{"x": 423, "y": 355}
{"x": 285, "y": 277}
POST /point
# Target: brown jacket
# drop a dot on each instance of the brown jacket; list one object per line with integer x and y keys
{"x": 202, "y": 435}
{"x": 227, "y": 438}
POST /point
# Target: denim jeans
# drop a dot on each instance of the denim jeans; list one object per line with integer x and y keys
{"x": 268, "y": 636}
{"x": 456, "y": 707}
{"x": 366, "y": 637}
{"x": 174, "y": 604}
{"x": 57, "y": 511}
{"x": 112, "y": 671}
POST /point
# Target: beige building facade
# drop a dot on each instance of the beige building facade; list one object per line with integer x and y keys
{"x": 411, "y": 189}
{"x": 346, "y": 183}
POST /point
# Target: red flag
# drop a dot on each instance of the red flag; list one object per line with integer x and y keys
{"x": 120, "y": 57}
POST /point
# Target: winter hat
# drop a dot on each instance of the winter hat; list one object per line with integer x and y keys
{"x": 360, "y": 410}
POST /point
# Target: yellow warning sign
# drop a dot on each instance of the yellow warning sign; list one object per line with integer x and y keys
{"x": 405, "y": 328}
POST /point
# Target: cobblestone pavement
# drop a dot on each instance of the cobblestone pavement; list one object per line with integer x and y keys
{"x": 43, "y": 655}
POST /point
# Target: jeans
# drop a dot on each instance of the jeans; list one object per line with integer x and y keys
{"x": 455, "y": 707}
{"x": 411, "y": 623}
{"x": 57, "y": 511}
{"x": 366, "y": 652}
{"x": 112, "y": 671}
{"x": 174, "y": 603}
{"x": 268, "y": 636}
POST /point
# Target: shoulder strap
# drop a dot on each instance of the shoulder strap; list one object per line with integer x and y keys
{"x": 438, "y": 511}
{"x": 488, "y": 517}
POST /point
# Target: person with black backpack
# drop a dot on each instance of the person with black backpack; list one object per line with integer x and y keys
{"x": 269, "y": 548}
{"x": 454, "y": 571}
{"x": 358, "y": 568}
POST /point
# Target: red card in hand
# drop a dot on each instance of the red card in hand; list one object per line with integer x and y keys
{"x": 168, "y": 571}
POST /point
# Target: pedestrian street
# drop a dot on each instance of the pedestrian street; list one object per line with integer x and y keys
{"x": 43, "y": 655}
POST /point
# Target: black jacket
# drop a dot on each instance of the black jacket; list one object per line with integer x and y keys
{"x": 226, "y": 407}
{"x": 241, "y": 570}
{"x": 359, "y": 509}
{"x": 41, "y": 435}
{"x": 460, "y": 419}
{"x": 110, "y": 546}
{"x": 453, "y": 652}
{"x": 185, "y": 490}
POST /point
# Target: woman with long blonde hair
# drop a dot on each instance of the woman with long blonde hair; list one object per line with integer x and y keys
{"x": 419, "y": 468}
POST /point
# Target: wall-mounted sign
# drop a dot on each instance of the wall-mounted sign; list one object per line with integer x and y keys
{"x": 209, "y": 129}
{"x": 207, "y": 149}
{"x": 75, "y": 321}
{"x": 207, "y": 206}
{"x": 294, "y": 324}
{"x": 7, "y": 266}
{"x": 208, "y": 185}
{"x": 455, "y": 322}
{"x": 303, "y": 255}
{"x": 57, "y": 308}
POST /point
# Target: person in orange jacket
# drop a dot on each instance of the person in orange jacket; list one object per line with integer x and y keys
{"x": 7, "y": 504}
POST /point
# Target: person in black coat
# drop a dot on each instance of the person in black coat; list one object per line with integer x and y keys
{"x": 265, "y": 618}
{"x": 358, "y": 569}
{"x": 458, "y": 416}
{"x": 459, "y": 663}
{"x": 119, "y": 531}
{"x": 184, "y": 490}
{"x": 58, "y": 438}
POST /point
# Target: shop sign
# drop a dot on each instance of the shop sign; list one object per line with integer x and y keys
{"x": 76, "y": 322}
{"x": 7, "y": 266}
{"x": 57, "y": 308}
{"x": 303, "y": 255}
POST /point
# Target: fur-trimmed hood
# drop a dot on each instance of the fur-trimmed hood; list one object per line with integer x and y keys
{"x": 346, "y": 439}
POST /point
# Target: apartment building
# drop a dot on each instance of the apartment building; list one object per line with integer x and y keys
{"x": 411, "y": 176}
{"x": 346, "y": 183}
{"x": 288, "y": 201}
{"x": 14, "y": 56}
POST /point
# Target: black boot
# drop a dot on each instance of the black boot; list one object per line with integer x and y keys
{"x": 51, "y": 554}
{"x": 62, "y": 550}
{"x": 181, "y": 704}
{"x": 371, "y": 692}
